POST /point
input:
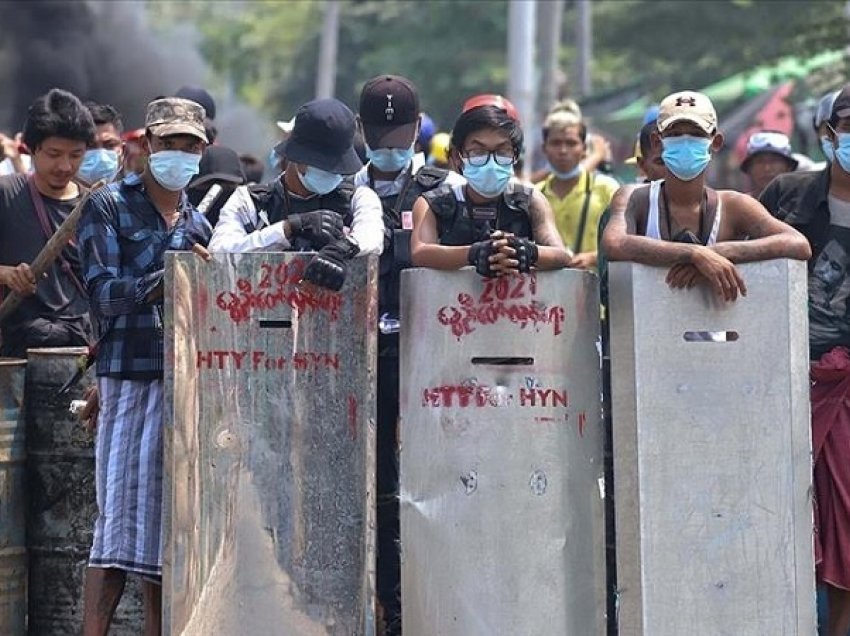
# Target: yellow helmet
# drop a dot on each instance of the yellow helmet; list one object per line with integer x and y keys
{"x": 439, "y": 150}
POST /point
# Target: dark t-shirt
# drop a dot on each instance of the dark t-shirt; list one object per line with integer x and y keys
{"x": 829, "y": 282}
{"x": 57, "y": 315}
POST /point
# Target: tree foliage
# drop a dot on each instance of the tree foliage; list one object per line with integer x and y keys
{"x": 268, "y": 50}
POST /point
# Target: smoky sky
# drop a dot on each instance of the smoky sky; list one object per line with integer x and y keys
{"x": 103, "y": 51}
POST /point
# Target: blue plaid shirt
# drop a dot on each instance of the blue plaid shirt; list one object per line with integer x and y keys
{"x": 122, "y": 241}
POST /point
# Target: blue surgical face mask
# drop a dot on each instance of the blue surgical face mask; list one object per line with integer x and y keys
{"x": 319, "y": 181}
{"x": 828, "y": 150}
{"x": 489, "y": 180}
{"x": 174, "y": 169}
{"x": 566, "y": 176}
{"x": 842, "y": 152}
{"x": 390, "y": 159}
{"x": 686, "y": 156}
{"x": 98, "y": 163}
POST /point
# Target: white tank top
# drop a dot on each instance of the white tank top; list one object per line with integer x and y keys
{"x": 653, "y": 230}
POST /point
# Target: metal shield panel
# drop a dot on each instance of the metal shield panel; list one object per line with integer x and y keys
{"x": 502, "y": 522}
{"x": 712, "y": 454}
{"x": 269, "y": 448}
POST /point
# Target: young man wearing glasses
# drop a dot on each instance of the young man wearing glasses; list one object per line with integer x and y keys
{"x": 493, "y": 222}
{"x": 818, "y": 204}
{"x": 768, "y": 155}
{"x": 698, "y": 232}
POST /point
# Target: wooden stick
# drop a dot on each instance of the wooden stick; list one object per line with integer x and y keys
{"x": 50, "y": 252}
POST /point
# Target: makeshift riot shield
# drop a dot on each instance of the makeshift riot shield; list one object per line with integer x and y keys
{"x": 502, "y": 522}
{"x": 712, "y": 454}
{"x": 269, "y": 448}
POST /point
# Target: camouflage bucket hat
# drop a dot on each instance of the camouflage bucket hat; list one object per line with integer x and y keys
{"x": 175, "y": 116}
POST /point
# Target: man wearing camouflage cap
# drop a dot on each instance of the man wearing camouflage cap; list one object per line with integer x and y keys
{"x": 123, "y": 234}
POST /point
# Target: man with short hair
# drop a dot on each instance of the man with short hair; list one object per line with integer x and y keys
{"x": 647, "y": 157}
{"x": 392, "y": 126}
{"x": 124, "y": 232}
{"x": 54, "y": 311}
{"x": 103, "y": 159}
{"x": 681, "y": 223}
{"x": 578, "y": 197}
{"x": 309, "y": 204}
{"x": 818, "y": 205}
{"x": 768, "y": 155}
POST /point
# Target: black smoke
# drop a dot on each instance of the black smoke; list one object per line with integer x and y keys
{"x": 104, "y": 51}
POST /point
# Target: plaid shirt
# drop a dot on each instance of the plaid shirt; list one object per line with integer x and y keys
{"x": 122, "y": 241}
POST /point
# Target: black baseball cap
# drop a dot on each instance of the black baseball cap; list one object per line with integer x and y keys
{"x": 199, "y": 96}
{"x": 322, "y": 136}
{"x": 389, "y": 112}
{"x": 219, "y": 163}
{"x": 841, "y": 105}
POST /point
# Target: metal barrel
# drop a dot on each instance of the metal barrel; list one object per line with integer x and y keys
{"x": 62, "y": 507}
{"x": 13, "y": 553}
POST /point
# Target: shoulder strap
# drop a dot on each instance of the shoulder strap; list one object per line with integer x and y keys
{"x": 517, "y": 196}
{"x": 430, "y": 177}
{"x": 47, "y": 229}
{"x": 588, "y": 188}
{"x": 713, "y": 205}
{"x": 652, "y": 226}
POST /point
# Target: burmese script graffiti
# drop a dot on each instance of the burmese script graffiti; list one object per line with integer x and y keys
{"x": 277, "y": 286}
{"x": 509, "y": 299}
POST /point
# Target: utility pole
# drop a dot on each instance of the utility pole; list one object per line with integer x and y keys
{"x": 550, "y": 22}
{"x": 521, "y": 72}
{"x": 326, "y": 77}
{"x": 584, "y": 44}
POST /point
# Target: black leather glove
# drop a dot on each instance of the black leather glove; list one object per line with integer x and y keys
{"x": 479, "y": 255}
{"x": 526, "y": 253}
{"x": 330, "y": 266}
{"x": 320, "y": 227}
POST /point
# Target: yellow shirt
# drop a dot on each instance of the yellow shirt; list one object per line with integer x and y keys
{"x": 567, "y": 210}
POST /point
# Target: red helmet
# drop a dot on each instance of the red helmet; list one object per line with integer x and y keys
{"x": 492, "y": 100}
{"x": 133, "y": 135}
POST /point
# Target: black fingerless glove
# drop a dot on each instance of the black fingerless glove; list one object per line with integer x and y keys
{"x": 330, "y": 266}
{"x": 319, "y": 227}
{"x": 526, "y": 253}
{"x": 479, "y": 256}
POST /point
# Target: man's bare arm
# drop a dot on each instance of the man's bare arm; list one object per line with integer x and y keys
{"x": 551, "y": 253}
{"x": 769, "y": 237}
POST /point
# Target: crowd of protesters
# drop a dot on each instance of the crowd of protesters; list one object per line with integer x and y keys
{"x": 385, "y": 181}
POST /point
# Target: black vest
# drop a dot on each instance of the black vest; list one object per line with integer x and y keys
{"x": 272, "y": 199}
{"x": 396, "y": 255}
{"x": 455, "y": 222}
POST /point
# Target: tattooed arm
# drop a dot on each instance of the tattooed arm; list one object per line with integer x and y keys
{"x": 688, "y": 262}
{"x": 621, "y": 241}
{"x": 769, "y": 237}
